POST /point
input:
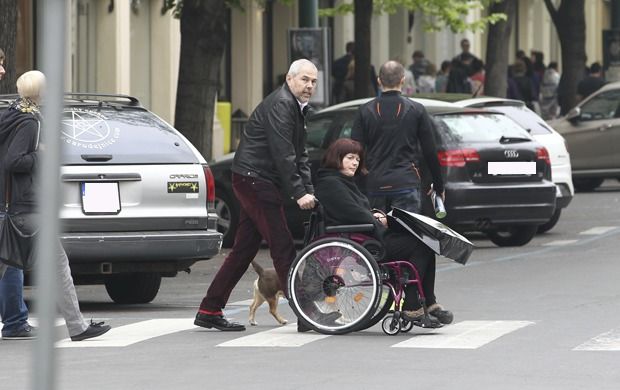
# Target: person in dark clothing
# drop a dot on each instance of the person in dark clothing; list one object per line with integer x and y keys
{"x": 458, "y": 78}
{"x": 520, "y": 85}
{"x": 396, "y": 134}
{"x": 592, "y": 83}
{"x": 465, "y": 58}
{"x": 19, "y": 154}
{"x": 271, "y": 162}
{"x": 340, "y": 69}
{"x": 344, "y": 204}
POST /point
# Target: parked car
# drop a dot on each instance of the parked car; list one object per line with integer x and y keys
{"x": 137, "y": 197}
{"x": 561, "y": 173}
{"x": 592, "y": 133}
{"x": 473, "y": 146}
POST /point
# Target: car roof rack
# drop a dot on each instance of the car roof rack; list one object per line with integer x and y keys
{"x": 86, "y": 98}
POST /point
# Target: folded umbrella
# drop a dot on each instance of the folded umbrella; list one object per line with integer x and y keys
{"x": 437, "y": 236}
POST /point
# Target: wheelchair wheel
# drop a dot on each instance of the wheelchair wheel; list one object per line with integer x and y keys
{"x": 334, "y": 285}
{"x": 385, "y": 304}
{"x": 391, "y": 324}
{"x": 406, "y": 326}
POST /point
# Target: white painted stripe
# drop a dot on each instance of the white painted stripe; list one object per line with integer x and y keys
{"x": 560, "y": 242}
{"x": 608, "y": 341}
{"x": 123, "y": 336}
{"x": 598, "y": 230}
{"x": 463, "y": 335}
{"x": 35, "y": 321}
{"x": 284, "y": 336}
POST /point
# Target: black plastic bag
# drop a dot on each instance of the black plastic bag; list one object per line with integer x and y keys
{"x": 437, "y": 236}
{"x": 16, "y": 247}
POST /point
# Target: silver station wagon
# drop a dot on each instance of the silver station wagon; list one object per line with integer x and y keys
{"x": 137, "y": 197}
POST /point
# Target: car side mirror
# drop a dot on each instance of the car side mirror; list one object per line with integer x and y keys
{"x": 574, "y": 115}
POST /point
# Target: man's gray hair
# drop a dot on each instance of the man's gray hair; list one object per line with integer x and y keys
{"x": 298, "y": 64}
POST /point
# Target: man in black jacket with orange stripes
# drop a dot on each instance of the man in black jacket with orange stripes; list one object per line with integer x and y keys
{"x": 397, "y": 134}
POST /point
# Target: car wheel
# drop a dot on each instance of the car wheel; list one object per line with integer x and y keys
{"x": 550, "y": 223}
{"x": 513, "y": 235}
{"x": 227, "y": 211}
{"x": 133, "y": 288}
{"x": 586, "y": 185}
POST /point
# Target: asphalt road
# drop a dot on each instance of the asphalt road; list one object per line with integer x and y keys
{"x": 542, "y": 316}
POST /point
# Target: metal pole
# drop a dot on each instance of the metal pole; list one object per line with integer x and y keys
{"x": 308, "y": 13}
{"x": 51, "y": 48}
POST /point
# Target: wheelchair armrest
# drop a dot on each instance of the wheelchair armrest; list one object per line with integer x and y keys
{"x": 366, "y": 227}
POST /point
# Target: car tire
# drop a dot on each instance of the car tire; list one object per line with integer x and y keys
{"x": 513, "y": 235}
{"x": 545, "y": 227}
{"x": 587, "y": 185}
{"x": 133, "y": 288}
{"x": 227, "y": 210}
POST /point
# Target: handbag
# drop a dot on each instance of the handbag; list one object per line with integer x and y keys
{"x": 16, "y": 247}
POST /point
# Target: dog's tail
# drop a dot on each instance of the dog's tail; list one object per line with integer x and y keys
{"x": 259, "y": 270}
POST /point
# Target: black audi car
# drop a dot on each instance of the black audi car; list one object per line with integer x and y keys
{"x": 498, "y": 178}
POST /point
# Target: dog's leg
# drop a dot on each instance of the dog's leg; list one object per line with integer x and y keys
{"x": 273, "y": 309}
{"x": 258, "y": 300}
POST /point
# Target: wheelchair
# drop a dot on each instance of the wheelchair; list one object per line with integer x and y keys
{"x": 341, "y": 283}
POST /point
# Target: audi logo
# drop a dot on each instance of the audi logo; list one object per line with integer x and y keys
{"x": 511, "y": 153}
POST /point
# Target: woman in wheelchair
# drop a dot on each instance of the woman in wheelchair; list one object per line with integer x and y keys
{"x": 344, "y": 204}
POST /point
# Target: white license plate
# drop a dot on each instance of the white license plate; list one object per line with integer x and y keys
{"x": 100, "y": 198}
{"x": 511, "y": 168}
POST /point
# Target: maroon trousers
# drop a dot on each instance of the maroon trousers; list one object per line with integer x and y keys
{"x": 261, "y": 216}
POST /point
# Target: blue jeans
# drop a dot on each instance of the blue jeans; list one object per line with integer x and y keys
{"x": 408, "y": 200}
{"x": 13, "y": 309}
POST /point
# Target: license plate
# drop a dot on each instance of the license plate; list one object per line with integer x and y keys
{"x": 100, "y": 198}
{"x": 511, "y": 168}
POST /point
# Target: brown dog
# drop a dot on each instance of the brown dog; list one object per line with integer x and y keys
{"x": 266, "y": 288}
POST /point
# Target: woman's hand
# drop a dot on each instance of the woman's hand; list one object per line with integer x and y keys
{"x": 381, "y": 218}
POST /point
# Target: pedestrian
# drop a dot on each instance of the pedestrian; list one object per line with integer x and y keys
{"x": 458, "y": 81}
{"x": 340, "y": 68}
{"x": 270, "y": 164}
{"x": 20, "y": 150}
{"x": 426, "y": 82}
{"x": 477, "y": 78}
{"x": 398, "y": 137}
{"x": 592, "y": 83}
{"x": 465, "y": 57}
{"x": 344, "y": 204}
{"x": 549, "y": 92}
{"x": 419, "y": 65}
{"x": 441, "y": 81}
{"x": 521, "y": 86}
{"x": 2, "y": 70}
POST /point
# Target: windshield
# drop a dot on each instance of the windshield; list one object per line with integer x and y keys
{"x": 524, "y": 117}
{"x": 487, "y": 127}
{"x": 128, "y": 136}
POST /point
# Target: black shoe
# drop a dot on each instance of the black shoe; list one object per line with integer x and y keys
{"x": 418, "y": 318}
{"x": 95, "y": 329}
{"x": 442, "y": 315}
{"x": 26, "y": 333}
{"x": 328, "y": 318}
{"x": 218, "y": 322}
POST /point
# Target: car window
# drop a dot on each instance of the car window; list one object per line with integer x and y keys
{"x": 480, "y": 127}
{"x": 524, "y": 117}
{"x": 346, "y": 128}
{"x": 602, "y": 106}
{"x": 317, "y": 127}
{"x": 323, "y": 129}
{"x": 128, "y": 136}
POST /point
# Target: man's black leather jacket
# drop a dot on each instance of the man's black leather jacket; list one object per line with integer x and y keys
{"x": 272, "y": 145}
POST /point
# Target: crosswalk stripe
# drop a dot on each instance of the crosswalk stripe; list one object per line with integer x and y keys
{"x": 559, "y": 242}
{"x": 608, "y": 341}
{"x": 284, "y": 336}
{"x": 463, "y": 335}
{"x": 123, "y": 336}
{"x": 598, "y": 230}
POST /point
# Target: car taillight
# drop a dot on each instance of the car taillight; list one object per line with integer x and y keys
{"x": 210, "y": 187}
{"x": 458, "y": 157}
{"x": 543, "y": 154}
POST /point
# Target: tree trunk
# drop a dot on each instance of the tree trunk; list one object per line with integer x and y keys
{"x": 8, "y": 39}
{"x": 363, "y": 16}
{"x": 497, "y": 50}
{"x": 570, "y": 23}
{"x": 203, "y": 40}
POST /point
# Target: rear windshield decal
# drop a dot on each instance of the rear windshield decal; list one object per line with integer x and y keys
{"x": 87, "y": 129}
{"x": 183, "y": 187}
